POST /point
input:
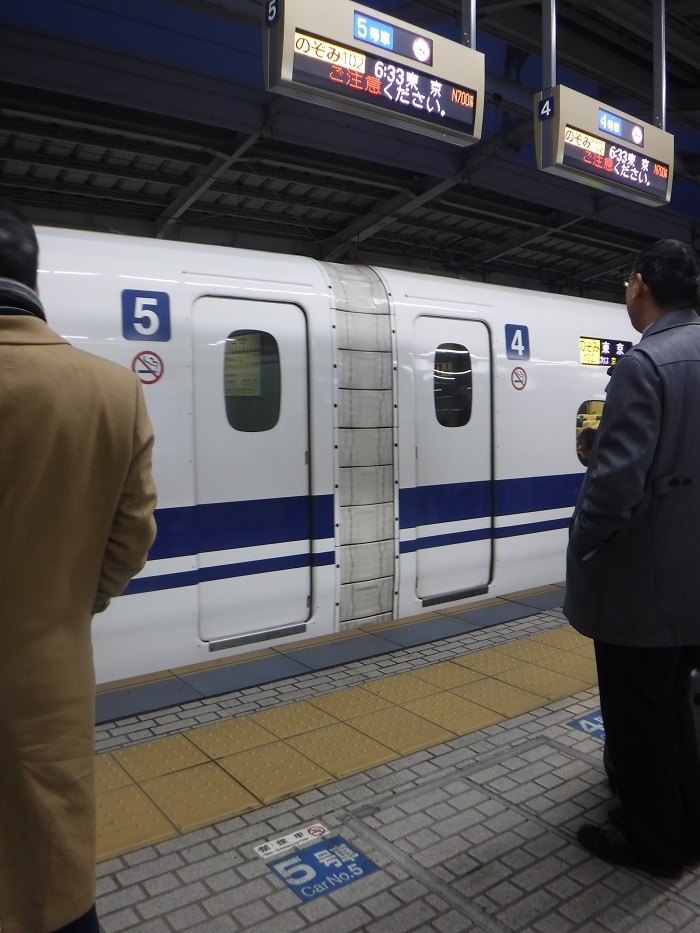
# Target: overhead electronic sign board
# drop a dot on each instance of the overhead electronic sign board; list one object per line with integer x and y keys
{"x": 356, "y": 60}
{"x": 590, "y": 142}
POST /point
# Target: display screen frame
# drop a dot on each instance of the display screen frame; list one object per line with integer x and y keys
{"x": 614, "y": 162}
{"x": 457, "y": 68}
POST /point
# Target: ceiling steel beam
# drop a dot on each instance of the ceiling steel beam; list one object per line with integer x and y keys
{"x": 214, "y": 170}
{"x": 427, "y": 189}
{"x": 526, "y": 238}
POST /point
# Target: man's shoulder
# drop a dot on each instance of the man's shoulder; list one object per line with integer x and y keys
{"x": 678, "y": 341}
{"x": 105, "y": 370}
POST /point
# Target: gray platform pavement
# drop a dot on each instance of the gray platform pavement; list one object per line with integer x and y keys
{"x": 477, "y": 834}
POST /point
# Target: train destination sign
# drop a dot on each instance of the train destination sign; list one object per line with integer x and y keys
{"x": 601, "y": 351}
{"x": 579, "y": 138}
{"x": 352, "y": 59}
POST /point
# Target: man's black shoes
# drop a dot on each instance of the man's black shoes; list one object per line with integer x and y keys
{"x": 611, "y": 846}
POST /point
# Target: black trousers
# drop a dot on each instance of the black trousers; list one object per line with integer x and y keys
{"x": 653, "y": 748}
{"x": 85, "y": 924}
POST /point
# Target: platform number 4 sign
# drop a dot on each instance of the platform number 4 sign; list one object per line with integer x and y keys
{"x": 545, "y": 109}
{"x": 517, "y": 342}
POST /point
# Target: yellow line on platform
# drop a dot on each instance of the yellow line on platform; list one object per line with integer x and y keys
{"x": 159, "y": 789}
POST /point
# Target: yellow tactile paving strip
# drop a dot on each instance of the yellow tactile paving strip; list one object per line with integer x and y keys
{"x": 154, "y": 791}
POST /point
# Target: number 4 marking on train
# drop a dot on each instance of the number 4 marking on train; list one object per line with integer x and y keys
{"x": 517, "y": 342}
{"x": 545, "y": 109}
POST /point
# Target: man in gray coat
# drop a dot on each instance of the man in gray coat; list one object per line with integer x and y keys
{"x": 633, "y": 569}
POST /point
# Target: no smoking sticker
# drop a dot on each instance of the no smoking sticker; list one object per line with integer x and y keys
{"x": 519, "y": 378}
{"x": 148, "y": 367}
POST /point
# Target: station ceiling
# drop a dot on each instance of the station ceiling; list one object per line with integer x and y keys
{"x": 150, "y": 117}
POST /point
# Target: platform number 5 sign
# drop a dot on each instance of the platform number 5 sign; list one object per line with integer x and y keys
{"x": 145, "y": 315}
{"x": 517, "y": 342}
{"x": 273, "y": 8}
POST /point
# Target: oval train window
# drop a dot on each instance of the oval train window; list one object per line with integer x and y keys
{"x": 452, "y": 383}
{"x": 252, "y": 380}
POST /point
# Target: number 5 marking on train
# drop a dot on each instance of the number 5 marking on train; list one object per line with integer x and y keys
{"x": 517, "y": 342}
{"x": 145, "y": 315}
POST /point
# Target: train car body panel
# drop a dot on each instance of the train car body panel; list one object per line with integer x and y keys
{"x": 452, "y": 503}
{"x": 335, "y": 445}
{"x": 251, "y": 415}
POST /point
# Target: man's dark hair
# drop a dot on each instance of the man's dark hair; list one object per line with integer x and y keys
{"x": 671, "y": 271}
{"x": 19, "y": 250}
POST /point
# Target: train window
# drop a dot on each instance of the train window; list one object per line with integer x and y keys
{"x": 452, "y": 383}
{"x": 587, "y": 421}
{"x": 252, "y": 384}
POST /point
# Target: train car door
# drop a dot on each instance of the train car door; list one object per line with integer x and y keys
{"x": 454, "y": 523}
{"x": 253, "y": 512}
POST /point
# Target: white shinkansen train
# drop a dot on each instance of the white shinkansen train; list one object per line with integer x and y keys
{"x": 335, "y": 445}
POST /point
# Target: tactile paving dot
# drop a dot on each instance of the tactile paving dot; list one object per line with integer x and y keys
{"x": 401, "y": 687}
{"x": 401, "y": 730}
{"x": 488, "y": 661}
{"x": 293, "y": 719}
{"x": 350, "y": 702}
{"x": 454, "y": 713}
{"x": 447, "y": 674}
{"x": 275, "y": 772}
{"x": 199, "y": 796}
{"x": 504, "y": 698}
{"x": 229, "y": 737}
{"x": 109, "y": 775}
{"x": 544, "y": 683}
{"x": 128, "y": 820}
{"x": 158, "y": 757}
{"x": 341, "y": 750}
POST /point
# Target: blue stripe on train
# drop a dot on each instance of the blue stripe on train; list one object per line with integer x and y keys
{"x": 481, "y": 534}
{"x": 455, "y": 502}
{"x": 169, "y": 581}
{"x": 228, "y": 525}
{"x": 221, "y": 526}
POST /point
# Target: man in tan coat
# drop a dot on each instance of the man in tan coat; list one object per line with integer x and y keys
{"x": 76, "y": 523}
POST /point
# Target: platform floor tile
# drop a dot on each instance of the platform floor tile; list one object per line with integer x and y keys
{"x": 573, "y": 665}
{"x": 565, "y": 637}
{"x": 447, "y": 674}
{"x": 159, "y": 757}
{"x": 504, "y": 698}
{"x": 230, "y": 736}
{"x": 490, "y": 661}
{"x": 401, "y": 730}
{"x": 350, "y": 702}
{"x": 293, "y": 719}
{"x": 275, "y": 772}
{"x": 199, "y": 796}
{"x": 454, "y": 712}
{"x": 535, "y": 652}
{"x": 109, "y": 775}
{"x": 126, "y": 820}
{"x": 548, "y": 684}
{"x": 342, "y": 750}
{"x": 568, "y": 639}
{"x": 401, "y": 687}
